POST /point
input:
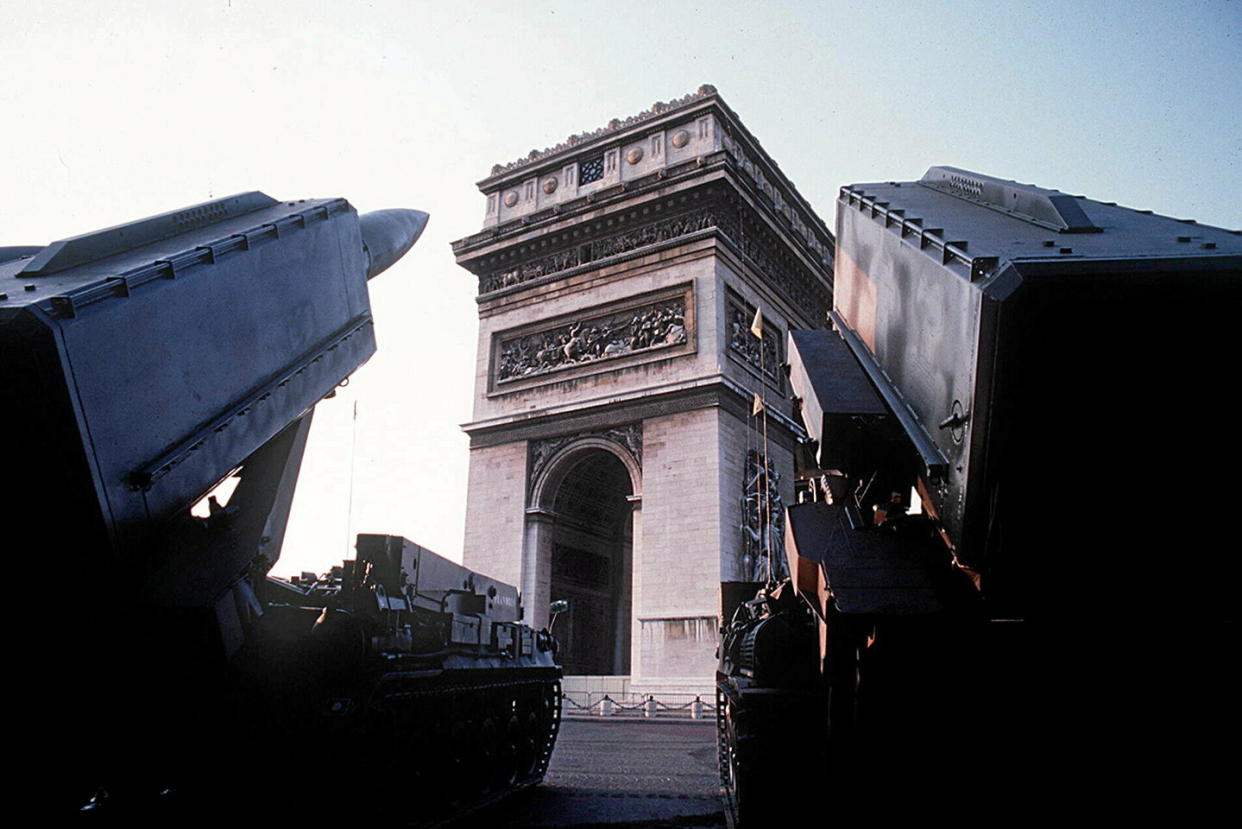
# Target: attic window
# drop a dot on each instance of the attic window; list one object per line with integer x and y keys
{"x": 591, "y": 170}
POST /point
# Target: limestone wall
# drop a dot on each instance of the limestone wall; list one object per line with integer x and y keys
{"x": 496, "y": 512}
{"x": 677, "y": 578}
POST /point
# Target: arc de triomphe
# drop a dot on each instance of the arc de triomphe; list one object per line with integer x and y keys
{"x": 612, "y": 442}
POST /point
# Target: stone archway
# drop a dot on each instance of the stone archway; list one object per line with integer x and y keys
{"x": 581, "y": 530}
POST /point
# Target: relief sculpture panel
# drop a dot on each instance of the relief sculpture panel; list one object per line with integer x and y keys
{"x": 763, "y": 521}
{"x": 649, "y": 327}
{"x": 746, "y": 346}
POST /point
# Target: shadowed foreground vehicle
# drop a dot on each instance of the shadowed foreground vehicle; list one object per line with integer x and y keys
{"x": 1048, "y": 378}
{"x": 140, "y": 367}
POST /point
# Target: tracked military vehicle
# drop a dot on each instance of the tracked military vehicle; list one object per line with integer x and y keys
{"x": 140, "y": 367}
{"x": 1014, "y": 588}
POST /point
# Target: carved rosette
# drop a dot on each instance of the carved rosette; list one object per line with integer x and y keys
{"x": 763, "y": 520}
{"x": 629, "y": 435}
{"x": 637, "y": 330}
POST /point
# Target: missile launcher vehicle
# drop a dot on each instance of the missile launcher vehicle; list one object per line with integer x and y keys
{"x": 140, "y": 367}
{"x": 1013, "y": 588}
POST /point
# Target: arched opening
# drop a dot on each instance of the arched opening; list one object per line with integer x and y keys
{"x": 590, "y": 547}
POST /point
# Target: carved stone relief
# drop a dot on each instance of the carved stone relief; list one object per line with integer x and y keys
{"x": 621, "y": 333}
{"x": 746, "y": 345}
{"x": 649, "y": 234}
{"x": 763, "y": 520}
{"x": 629, "y": 435}
{"x": 781, "y": 271}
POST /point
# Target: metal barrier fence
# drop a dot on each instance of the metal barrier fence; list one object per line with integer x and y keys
{"x": 603, "y": 704}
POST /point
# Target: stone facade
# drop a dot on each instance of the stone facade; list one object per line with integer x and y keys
{"x": 618, "y": 274}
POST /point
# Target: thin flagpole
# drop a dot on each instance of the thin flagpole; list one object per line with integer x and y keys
{"x": 765, "y": 501}
{"x": 353, "y": 461}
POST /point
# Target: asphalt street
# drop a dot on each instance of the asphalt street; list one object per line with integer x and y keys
{"x": 621, "y": 773}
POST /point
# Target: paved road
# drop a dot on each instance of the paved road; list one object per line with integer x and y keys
{"x": 623, "y": 774}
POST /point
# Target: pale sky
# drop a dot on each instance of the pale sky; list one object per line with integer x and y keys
{"x": 114, "y": 111}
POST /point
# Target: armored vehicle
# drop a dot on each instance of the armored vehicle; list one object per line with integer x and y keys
{"x": 140, "y": 367}
{"x": 1013, "y": 587}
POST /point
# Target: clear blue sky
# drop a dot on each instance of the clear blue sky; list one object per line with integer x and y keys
{"x": 119, "y": 110}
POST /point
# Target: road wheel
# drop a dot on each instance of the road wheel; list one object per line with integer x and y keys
{"x": 528, "y": 746}
{"x": 488, "y": 756}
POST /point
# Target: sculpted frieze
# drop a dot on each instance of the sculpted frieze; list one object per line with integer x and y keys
{"x": 764, "y": 357}
{"x": 781, "y": 270}
{"x": 756, "y": 242}
{"x": 788, "y": 277}
{"x": 646, "y": 328}
{"x": 613, "y": 245}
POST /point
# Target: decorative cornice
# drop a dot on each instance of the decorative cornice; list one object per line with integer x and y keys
{"x": 653, "y": 233}
{"x": 615, "y": 125}
{"x": 619, "y": 236}
{"x": 639, "y": 404}
{"x": 664, "y": 149}
{"x": 762, "y": 249}
{"x": 679, "y": 176}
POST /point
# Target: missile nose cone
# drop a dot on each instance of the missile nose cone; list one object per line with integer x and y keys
{"x": 388, "y": 234}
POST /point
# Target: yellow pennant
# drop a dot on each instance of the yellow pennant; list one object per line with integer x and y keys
{"x": 756, "y": 327}
{"x": 757, "y": 407}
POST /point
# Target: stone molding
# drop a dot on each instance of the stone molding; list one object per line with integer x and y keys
{"x": 764, "y": 252}
{"x": 670, "y": 140}
{"x": 652, "y": 233}
{"x": 713, "y": 392}
{"x": 541, "y": 453}
{"x": 728, "y": 218}
{"x": 615, "y": 125}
